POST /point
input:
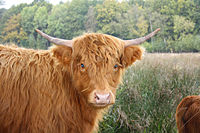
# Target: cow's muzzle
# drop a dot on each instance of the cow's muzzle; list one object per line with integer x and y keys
{"x": 100, "y": 99}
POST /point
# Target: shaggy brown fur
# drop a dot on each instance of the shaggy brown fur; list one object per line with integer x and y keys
{"x": 188, "y": 115}
{"x": 47, "y": 91}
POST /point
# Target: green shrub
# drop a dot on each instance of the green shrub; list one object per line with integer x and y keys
{"x": 157, "y": 46}
{"x": 188, "y": 43}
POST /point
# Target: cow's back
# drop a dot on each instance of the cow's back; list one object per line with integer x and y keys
{"x": 28, "y": 89}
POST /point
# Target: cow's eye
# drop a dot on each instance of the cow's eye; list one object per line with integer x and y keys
{"x": 82, "y": 66}
{"x": 116, "y": 67}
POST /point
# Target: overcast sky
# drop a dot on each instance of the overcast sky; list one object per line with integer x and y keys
{"x": 9, "y": 3}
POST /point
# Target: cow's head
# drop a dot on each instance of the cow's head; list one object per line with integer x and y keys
{"x": 97, "y": 62}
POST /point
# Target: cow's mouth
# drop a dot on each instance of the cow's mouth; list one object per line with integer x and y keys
{"x": 101, "y": 105}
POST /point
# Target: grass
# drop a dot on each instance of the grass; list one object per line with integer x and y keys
{"x": 151, "y": 91}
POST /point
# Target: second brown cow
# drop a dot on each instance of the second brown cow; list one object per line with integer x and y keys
{"x": 188, "y": 115}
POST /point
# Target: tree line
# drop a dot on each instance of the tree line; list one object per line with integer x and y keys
{"x": 179, "y": 21}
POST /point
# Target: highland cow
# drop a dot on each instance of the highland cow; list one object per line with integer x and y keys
{"x": 65, "y": 89}
{"x": 188, "y": 115}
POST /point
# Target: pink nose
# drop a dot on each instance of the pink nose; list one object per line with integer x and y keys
{"x": 102, "y": 98}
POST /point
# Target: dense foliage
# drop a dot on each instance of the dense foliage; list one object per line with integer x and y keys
{"x": 179, "y": 21}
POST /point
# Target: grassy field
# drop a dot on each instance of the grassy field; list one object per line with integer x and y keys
{"x": 151, "y": 91}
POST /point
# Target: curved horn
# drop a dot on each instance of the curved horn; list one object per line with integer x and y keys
{"x": 56, "y": 41}
{"x": 141, "y": 39}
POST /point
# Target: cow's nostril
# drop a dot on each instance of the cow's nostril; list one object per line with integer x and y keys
{"x": 96, "y": 97}
{"x": 108, "y": 98}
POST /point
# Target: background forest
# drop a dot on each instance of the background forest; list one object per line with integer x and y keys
{"x": 179, "y": 21}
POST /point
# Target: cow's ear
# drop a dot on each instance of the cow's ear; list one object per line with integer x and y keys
{"x": 62, "y": 53}
{"x": 131, "y": 54}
